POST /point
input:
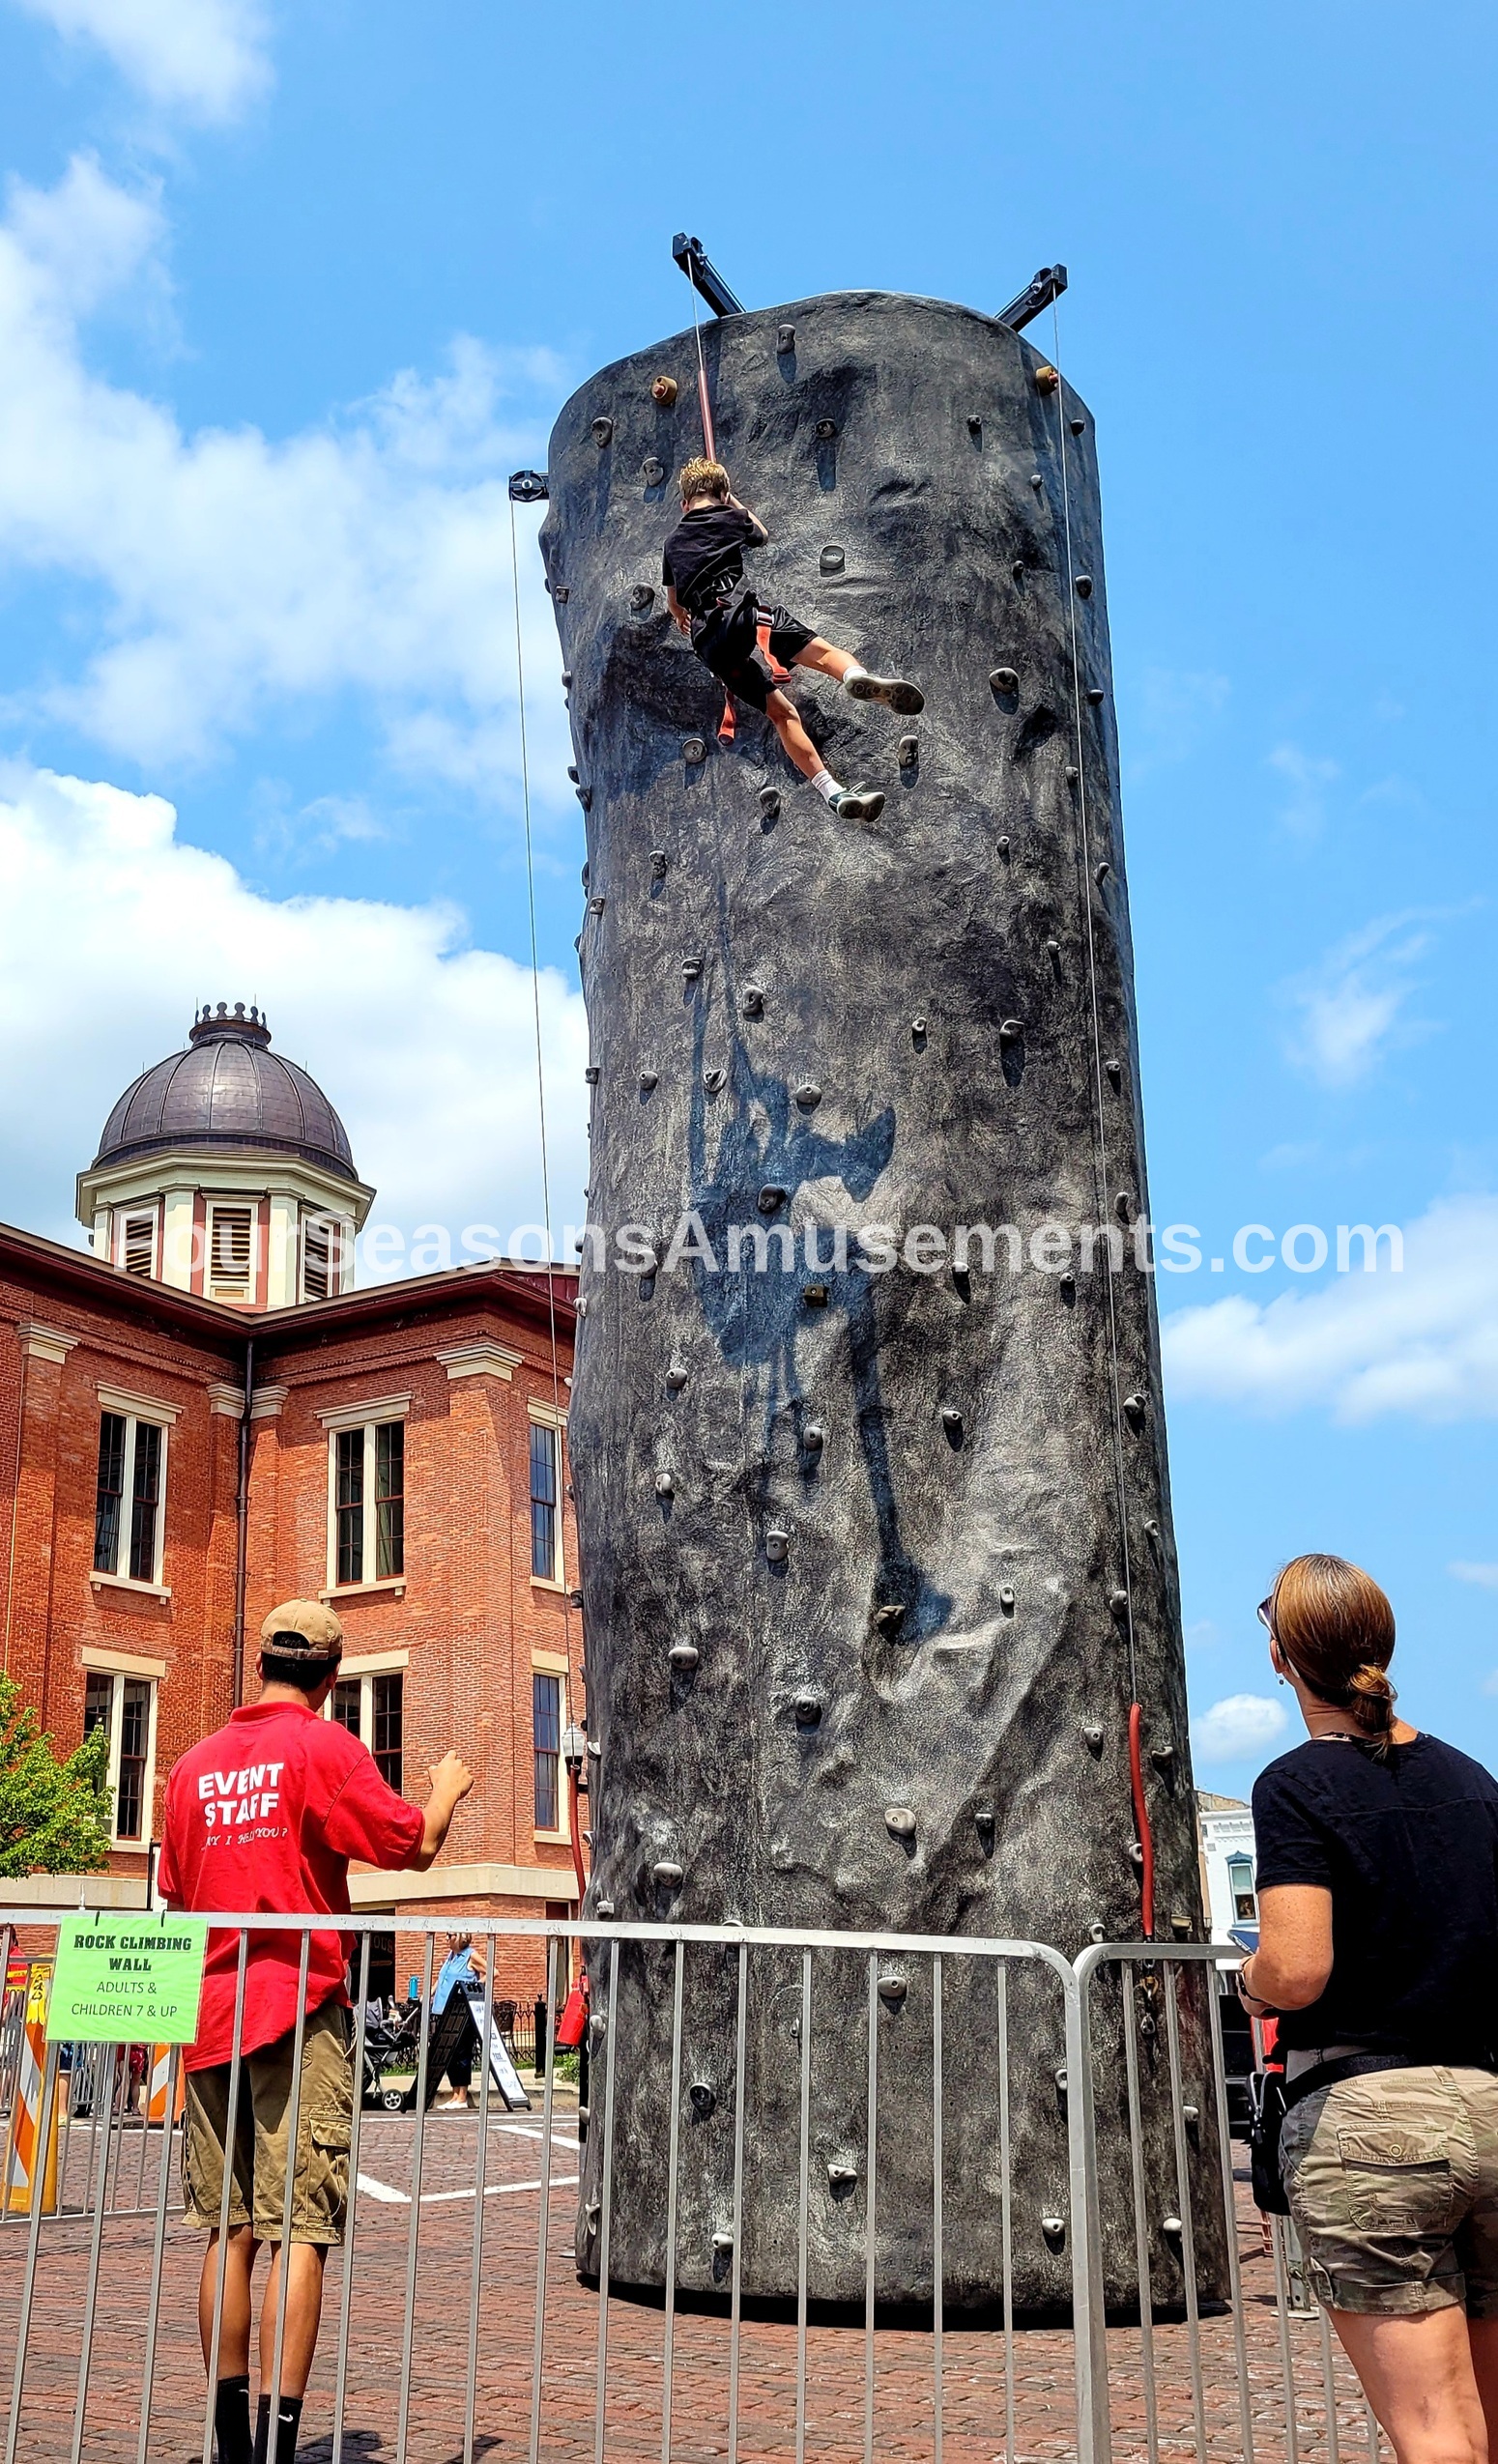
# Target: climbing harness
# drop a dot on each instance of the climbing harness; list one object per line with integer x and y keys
{"x": 540, "y": 1096}
{"x": 731, "y": 606}
{"x": 1135, "y": 1709}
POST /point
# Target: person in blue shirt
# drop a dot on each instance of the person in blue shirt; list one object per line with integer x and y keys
{"x": 464, "y": 1965}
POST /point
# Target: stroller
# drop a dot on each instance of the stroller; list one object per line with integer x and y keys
{"x": 390, "y": 2042}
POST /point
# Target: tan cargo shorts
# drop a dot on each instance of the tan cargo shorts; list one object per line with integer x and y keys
{"x": 1392, "y": 2183}
{"x": 257, "y": 2192}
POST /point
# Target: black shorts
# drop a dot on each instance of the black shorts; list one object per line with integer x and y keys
{"x": 729, "y": 648}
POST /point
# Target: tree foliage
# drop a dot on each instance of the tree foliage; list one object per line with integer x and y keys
{"x": 54, "y": 1816}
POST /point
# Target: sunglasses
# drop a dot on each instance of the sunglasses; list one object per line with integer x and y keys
{"x": 1265, "y": 1615}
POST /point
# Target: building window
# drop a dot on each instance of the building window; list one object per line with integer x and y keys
{"x": 231, "y": 1251}
{"x": 546, "y": 1730}
{"x": 1240, "y": 1886}
{"x": 373, "y": 1709}
{"x": 137, "y": 1244}
{"x": 128, "y": 1517}
{"x": 126, "y": 1707}
{"x": 545, "y": 1489}
{"x": 322, "y": 1256}
{"x": 370, "y": 1502}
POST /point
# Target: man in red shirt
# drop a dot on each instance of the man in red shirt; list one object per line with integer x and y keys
{"x": 262, "y": 1817}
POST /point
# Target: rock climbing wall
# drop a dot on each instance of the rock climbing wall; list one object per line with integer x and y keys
{"x": 875, "y": 1560}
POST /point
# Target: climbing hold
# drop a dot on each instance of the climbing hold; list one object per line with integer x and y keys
{"x": 1004, "y": 681}
{"x": 664, "y": 391}
{"x": 1053, "y": 2227}
{"x": 1002, "y": 845}
{"x": 572, "y": 772}
{"x": 603, "y": 1909}
{"x": 1180, "y": 1924}
{"x": 1162, "y": 1756}
{"x": 1152, "y": 1531}
{"x": 1077, "y": 427}
{"x": 640, "y": 597}
{"x": 890, "y": 1618}
{"x": 808, "y": 1095}
{"x": 984, "y": 1818}
{"x": 1011, "y": 1030}
{"x": 592, "y": 1073}
{"x": 974, "y": 424}
{"x": 827, "y": 430}
{"x": 649, "y": 1080}
{"x": 1121, "y": 1206}
{"x": 1134, "y": 1409}
{"x": 723, "y": 2244}
{"x": 808, "y": 1711}
{"x": 1047, "y": 379}
{"x": 1006, "y": 1599}
{"x": 1096, "y": 694}
{"x": 777, "y": 1543}
{"x": 1018, "y": 569}
{"x": 813, "y": 1436}
{"x": 918, "y": 1025}
{"x": 566, "y": 679}
{"x": 900, "y": 1821}
{"x": 1170, "y": 2224}
{"x": 753, "y": 1003}
{"x": 1060, "y": 2078}
{"x": 1054, "y": 951}
{"x": 603, "y": 433}
{"x": 842, "y": 2177}
{"x": 772, "y": 1196}
{"x": 580, "y": 1306}
{"x": 785, "y": 339}
{"x": 893, "y": 1986}
{"x": 769, "y": 802}
{"x": 1096, "y": 1932}
{"x": 691, "y": 969}
{"x": 675, "y": 1377}
{"x": 694, "y": 749}
{"x": 832, "y": 559}
{"x": 658, "y": 864}
{"x": 1101, "y": 872}
{"x": 1114, "y": 1071}
{"x": 1067, "y": 1287}
{"x": 702, "y": 2097}
{"x": 561, "y": 593}
{"x": 1084, "y": 586}
{"x": 1073, "y": 774}
{"x": 653, "y": 471}
{"x": 583, "y": 877}
{"x": 1118, "y": 1602}
{"x": 910, "y": 751}
{"x": 951, "y": 1419}
{"x": 1092, "y": 1736}
{"x": 683, "y": 1656}
{"x": 1037, "y": 479}
{"x": 595, "y": 907}
{"x": 714, "y": 1080}
{"x": 815, "y": 1296}
{"x": 668, "y": 1876}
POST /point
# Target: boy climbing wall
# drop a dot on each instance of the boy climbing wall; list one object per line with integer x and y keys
{"x": 750, "y": 647}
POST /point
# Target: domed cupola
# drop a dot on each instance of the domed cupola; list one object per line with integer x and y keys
{"x": 225, "y": 1170}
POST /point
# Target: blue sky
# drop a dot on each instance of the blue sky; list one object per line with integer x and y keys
{"x": 285, "y": 292}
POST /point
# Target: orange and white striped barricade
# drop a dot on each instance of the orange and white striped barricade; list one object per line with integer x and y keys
{"x": 159, "y": 2076}
{"x": 23, "y": 2157}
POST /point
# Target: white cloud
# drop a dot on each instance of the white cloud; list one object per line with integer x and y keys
{"x": 204, "y": 57}
{"x": 235, "y": 573}
{"x": 1465, "y": 1572}
{"x": 1350, "y": 1006}
{"x": 1307, "y": 778}
{"x": 113, "y": 929}
{"x": 1422, "y": 1342}
{"x": 1237, "y": 1729}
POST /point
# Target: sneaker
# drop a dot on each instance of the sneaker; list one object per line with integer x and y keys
{"x": 852, "y": 805}
{"x": 892, "y": 691}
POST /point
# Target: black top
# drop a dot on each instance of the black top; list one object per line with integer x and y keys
{"x": 705, "y": 554}
{"x": 1408, "y": 1848}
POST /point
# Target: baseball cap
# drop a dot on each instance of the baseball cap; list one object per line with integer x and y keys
{"x": 321, "y": 1634}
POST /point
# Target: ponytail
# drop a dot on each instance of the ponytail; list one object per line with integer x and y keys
{"x": 1336, "y": 1628}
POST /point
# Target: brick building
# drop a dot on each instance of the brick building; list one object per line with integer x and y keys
{"x": 205, "y": 1416}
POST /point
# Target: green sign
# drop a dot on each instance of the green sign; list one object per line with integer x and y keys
{"x": 127, "y": 1980}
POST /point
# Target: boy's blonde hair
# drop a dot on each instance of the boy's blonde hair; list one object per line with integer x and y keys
{"x": 701, "y": 478}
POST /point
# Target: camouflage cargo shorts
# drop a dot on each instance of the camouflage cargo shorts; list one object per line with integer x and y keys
{"x": 1392, "y": 2183}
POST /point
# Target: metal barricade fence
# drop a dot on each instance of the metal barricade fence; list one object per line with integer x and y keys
{"x": 456, "y": 2317}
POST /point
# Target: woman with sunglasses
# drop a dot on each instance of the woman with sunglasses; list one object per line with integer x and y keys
{"x": 1378, "y": 1952}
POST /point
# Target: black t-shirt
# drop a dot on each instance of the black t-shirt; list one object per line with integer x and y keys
{"x": 705, "y": 554}
{"x": 1408, "y": 1848}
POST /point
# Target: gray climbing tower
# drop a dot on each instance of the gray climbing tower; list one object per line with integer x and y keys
{"x": 874, "y": 1563}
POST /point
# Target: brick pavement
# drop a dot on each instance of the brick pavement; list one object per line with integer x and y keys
{"x": 973, "y": 2409}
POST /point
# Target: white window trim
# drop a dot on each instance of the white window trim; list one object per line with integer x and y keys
{"x": 548, "y": 1664}
{"x": 480, "y": 1360}
{"x": 363, "y": 1677}
{"x": 118, "y": 1679}
{"x": 340, "y": 1427}
{"x": 354, "y": 1415}
{"x": 121, "y": 1663}
{"x": 155, "y": 1415}
{"x": 546, "y": 1416}
{"x": 137, "y": 1407}
{"x": 374, "y": 1663}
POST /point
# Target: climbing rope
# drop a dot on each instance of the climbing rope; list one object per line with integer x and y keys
{"x": 709, "y": 446}
{"x": 540, "y": 1097}
{"x": 1135, "y": 1712}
